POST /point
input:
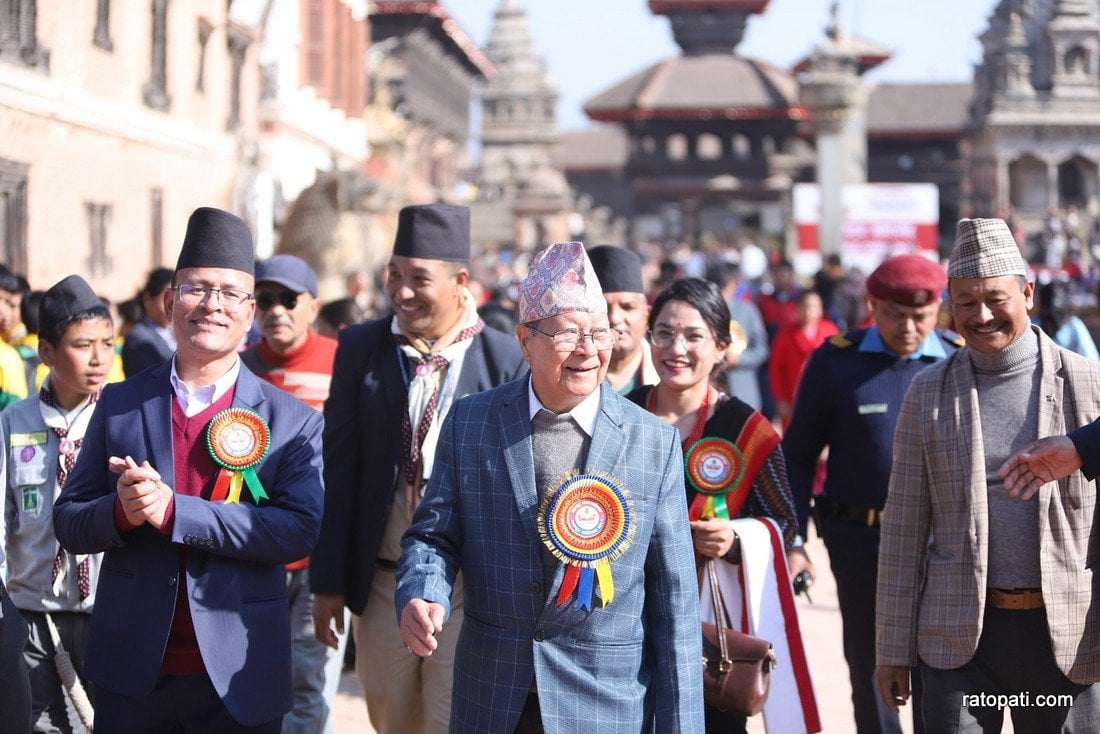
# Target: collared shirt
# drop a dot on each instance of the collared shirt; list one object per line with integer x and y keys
{"x": 930, "y": 347}
{"x": 584, "y": 413}
{"x": 202, "y": 398}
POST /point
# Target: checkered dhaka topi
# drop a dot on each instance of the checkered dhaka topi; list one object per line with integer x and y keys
{"x": 985, "y": 248}
{"x": 561, "y": 279}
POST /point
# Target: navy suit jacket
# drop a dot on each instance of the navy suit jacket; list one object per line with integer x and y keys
{"x": 363, "y": 418}
{"x": 142, "y": 348}
{"x": 632, "y": 665}
{"x": 235, "y": 552}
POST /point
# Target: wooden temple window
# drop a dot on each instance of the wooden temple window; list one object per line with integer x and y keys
{"x": 741, "y": 146}
{"x": 676, "y": 147}
{"x": 156, "y": 225}
{"x": 19, "y": 34}
{"x": 238, "y": 42}
{"x": 708, "y": 147}
{"x": 155, "y": 92}
{"x": 205, "y": 29}
{"x": 13, "y": 214}
{"x": 99, "y": 219}
{"x": 102, "y": 35}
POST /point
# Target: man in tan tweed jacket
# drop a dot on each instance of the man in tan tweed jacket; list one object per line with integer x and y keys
{"x": 990, "y": 595}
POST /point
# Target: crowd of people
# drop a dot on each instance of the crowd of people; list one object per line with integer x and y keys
{"x": 501, "y": 477}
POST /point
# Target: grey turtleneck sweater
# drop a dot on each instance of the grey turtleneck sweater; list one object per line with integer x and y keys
{"x": 1008, "y": 383}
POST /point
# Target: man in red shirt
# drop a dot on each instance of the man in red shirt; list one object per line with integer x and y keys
{"x": 294, "y": 357}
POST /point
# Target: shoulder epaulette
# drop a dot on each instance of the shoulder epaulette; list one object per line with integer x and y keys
{"x": 841, "y": 341}
{"x": 953, "y": 338}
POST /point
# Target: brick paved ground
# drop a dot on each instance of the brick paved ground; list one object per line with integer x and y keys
{"x": 821, "y": 631}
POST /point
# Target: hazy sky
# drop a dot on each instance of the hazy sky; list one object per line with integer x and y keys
{"x": 589, "y": 45}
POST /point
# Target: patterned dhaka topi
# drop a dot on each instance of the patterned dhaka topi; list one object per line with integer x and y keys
{"x": 561, "y": 279}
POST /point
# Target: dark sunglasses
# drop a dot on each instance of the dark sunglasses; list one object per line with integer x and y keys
{"x": 266, "y": 299}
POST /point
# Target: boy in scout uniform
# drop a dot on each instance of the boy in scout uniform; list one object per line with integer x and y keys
{"x": 42, "y": 437}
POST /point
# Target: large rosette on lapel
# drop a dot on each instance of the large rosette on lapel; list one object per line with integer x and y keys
{"x": 238, "y": 440}
{"x": 586, "y": 522}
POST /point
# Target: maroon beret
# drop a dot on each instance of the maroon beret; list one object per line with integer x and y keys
{"x": 911, "y": 280}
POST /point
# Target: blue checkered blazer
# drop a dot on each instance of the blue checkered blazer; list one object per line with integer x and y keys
{"x": 624, "y": 668}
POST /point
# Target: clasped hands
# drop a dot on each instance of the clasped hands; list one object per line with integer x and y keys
{"x": 144, "y": 497}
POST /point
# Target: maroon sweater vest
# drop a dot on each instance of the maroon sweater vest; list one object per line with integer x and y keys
{"x": 195, "y": 476}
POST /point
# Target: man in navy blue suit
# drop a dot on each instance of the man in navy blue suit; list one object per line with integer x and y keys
{"x": 199, "y": 482}
{"x": 393, "y": 383}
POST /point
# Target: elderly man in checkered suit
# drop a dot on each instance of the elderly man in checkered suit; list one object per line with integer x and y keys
{"x": 563, "y": 504}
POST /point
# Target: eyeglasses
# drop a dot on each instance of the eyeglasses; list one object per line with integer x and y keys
{"x": 665, "y": 338}
{"x": 265, "y": 300}
{"x": 567, "y": 340}
{"x": 231, "y": 301}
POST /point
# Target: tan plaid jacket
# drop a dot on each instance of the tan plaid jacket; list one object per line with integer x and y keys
{"x": 934, "y": 551}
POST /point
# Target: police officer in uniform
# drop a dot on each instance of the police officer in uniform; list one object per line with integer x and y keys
{"x": 850, "y": 395}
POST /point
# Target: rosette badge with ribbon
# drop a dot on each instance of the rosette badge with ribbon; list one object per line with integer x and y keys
{"x": 238, "y": 440}
{"x": 715, "y": 467}
{"x": 587, "y": 522}
{"x": 722, "y": 472}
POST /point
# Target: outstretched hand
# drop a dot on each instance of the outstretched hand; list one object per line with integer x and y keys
{"x": 1046, "y": 460}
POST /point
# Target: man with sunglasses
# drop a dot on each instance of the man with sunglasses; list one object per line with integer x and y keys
{"x": 198, "y": 482}
{"x": 291, "y": 355}
{"x": 393, "y": 384}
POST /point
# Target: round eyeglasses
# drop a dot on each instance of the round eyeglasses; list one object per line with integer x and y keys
{"x": 665, "y": 338}
{"x": 567, "y": 340}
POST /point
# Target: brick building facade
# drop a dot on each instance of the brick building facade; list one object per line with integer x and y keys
{"x": 119, "y": 117}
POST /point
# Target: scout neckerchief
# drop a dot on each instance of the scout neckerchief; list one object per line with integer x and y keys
{"x": 722, "y": 472}
{"x": 430, "y": 362}
{"x": 69, "y": 427}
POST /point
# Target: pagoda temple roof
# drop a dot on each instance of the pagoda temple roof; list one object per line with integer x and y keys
{"x": 918, "y": 110}
{"x": 443, "y": 25}
{"x": 592, "y": 149}
{"x": 700, "y": 87}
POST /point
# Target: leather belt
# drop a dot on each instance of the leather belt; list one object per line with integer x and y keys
{"x": 384, "y": 565}
{"x": 1018, "y": 599}
{"x": 867, "y": 516}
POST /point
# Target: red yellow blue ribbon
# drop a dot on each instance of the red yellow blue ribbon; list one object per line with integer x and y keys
{"x": 586, "y": 523}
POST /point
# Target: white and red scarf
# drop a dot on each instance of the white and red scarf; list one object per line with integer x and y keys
{"x": 760, "y": 602}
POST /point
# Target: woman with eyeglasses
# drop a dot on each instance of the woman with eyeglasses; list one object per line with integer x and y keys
{"x": 729, "y": 448}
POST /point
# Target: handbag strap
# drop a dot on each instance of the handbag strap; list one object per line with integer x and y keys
{"x": 721, "y": 617}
